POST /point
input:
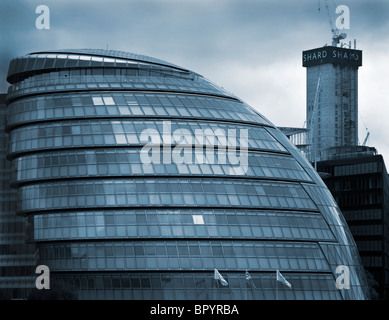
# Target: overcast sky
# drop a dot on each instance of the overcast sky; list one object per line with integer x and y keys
{"x": 252, "y": 48}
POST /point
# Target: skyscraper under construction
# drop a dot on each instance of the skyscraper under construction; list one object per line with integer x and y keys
{"x": 332, "y": 99}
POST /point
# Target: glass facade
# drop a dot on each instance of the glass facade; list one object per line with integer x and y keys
{"x": 17, "y": 257}
{"x": 360, "y": 185}
{"x": 138, "y": 178}
{"x": 332, "y": 98}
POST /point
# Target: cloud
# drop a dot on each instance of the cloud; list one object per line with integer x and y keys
{"x": 252, "y": 48}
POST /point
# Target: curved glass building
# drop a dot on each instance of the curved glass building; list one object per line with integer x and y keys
{"x": 139, "y": 178}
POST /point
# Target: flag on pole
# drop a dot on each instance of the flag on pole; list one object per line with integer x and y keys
{"x": 218, "y": 276}
{"x": 249, "y": 279}
{"x": 281, "y": 278}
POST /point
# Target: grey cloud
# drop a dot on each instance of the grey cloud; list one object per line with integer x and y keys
{"x": 207, "y": 36}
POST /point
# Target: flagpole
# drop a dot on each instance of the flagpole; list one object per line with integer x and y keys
{"x": 276, "y": 287}
{"x": 217, "y": 287}
{"x": 215, "y": 291}
{"x": 276, "y": 290}
{"x": 246, "y": 285}
{"x": 249, "y": 282}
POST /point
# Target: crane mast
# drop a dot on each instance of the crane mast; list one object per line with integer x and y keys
{"x": 336, "y": 36}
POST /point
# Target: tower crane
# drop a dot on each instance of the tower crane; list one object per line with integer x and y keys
{"x": 367, "y": 137}
{"x": 367, "y": 130}
{"x": 336, "y": 36}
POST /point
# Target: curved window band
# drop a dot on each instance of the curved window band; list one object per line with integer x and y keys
{"x": 183, "y": 255}
{"x": 113, "y": 83}
{"x": 89, "y": 133}
{"x": 160, "y": 223}
{"x": 163, "y": 192}
{"x": 60, "y": 107}
{"x": 128, "y": 162}
{"x": 198, "y": 286}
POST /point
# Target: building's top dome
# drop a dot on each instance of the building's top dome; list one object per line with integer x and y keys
{"x": 114, "y": 54}
{"x": 27, "y": 75}
{"x": 36, "y": 62}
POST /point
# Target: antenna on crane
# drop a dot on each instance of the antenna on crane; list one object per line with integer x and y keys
{"x": 336, "y": 36}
